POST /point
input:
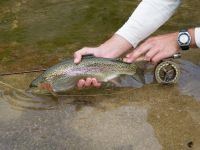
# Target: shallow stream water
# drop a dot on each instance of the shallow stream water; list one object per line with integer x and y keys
{"x": 36, "y": 34}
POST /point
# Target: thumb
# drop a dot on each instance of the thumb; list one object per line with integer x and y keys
{"x": 129, "y": 58}
{"x": 78, "y": 55}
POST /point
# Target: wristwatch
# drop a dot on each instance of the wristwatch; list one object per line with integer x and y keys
{"x": 184, "y": 39}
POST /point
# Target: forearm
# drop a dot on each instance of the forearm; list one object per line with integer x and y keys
{"x": 147, "y": 18}
{"x": 173, "y": 36}
{"x": 192, "y": 34}
{"x": 115, "y": 46}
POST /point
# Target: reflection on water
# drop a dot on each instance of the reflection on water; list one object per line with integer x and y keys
{"x": 19, "y": 99}
{"x": 190, "y": 82}
{"x": 122, "y": 118}
{"x": 39, "y": 33}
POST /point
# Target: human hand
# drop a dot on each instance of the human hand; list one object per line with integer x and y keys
{"x": 155, "y": 48}
{"x": 96, "y": 51}
{"x": 88, "y": 82}
{"x": 112, "y": 48}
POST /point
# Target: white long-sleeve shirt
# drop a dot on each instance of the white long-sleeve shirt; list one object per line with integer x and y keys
{"x": 197, "y": 36}
{"x": 147, "y": 18}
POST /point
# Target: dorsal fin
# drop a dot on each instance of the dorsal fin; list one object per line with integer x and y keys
{"x": 83, "y": 56}
{"x": 88, "y": 56}
{"x": 120, "y": 59}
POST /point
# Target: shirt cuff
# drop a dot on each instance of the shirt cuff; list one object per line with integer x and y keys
{"x": 124, "y": 33}
{"x": 197, "y": 36}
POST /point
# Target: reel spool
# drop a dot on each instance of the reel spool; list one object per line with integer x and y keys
{"x": 167, "y": 72}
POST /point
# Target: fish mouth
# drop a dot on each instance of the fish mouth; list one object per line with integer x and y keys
{"x": 36, "y": 91}
{"x": 36, "y": 83}
{"x": 33, "y": 86}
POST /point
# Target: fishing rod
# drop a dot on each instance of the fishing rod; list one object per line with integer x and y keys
{"x": 22, "y": 72}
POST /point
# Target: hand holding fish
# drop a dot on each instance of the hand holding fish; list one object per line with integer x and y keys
{"x": 112, "y": 48}
{"x": 88, "y": 82}
{"x": 64, "y": 75}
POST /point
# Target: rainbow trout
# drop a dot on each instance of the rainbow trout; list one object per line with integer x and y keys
{"x": 64, "y": 76}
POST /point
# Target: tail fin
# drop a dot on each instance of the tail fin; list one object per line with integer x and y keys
{"x": 139, "y": 76}
{"x": 140, "y": 71}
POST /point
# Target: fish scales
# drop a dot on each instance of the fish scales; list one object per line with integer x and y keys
{"x": 64, "y": 75}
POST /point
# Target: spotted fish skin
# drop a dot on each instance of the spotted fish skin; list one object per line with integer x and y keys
{"x": 64, "y": 76}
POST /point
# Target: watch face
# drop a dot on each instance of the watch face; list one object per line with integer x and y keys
{"x": 184, "y": 38}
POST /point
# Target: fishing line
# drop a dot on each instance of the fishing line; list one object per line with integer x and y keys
{"x": 22, "y": 72}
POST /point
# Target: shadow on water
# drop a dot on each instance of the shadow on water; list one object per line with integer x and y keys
{"x": 19, "y": 99}
{"x": 102, "y": 116}
{"x": 189, "y": 83}
{"x": 22, "y": 100}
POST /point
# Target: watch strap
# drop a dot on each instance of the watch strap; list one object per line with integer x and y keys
{"x": 185, "y": 47}
{"x": 183, "y": 30}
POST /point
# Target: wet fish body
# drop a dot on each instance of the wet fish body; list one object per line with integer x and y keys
{"x": 64, "y": 76}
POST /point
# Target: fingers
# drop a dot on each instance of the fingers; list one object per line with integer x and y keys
{"x": 84, "y": 83}
{"x": 150, "y": 54}
{"x": 137, "y": 52}
{"x": 141, "y": 58}
{"x": 81, "y": 83}
{"x": 78, "y": 54}
{"x": 89, "y": 82}
{"x": 157, "y": 58}
{"x": 96, "y": 83}
{"x": 161, "y": 55}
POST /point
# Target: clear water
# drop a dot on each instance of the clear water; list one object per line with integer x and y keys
{"x": 39, "y": 33}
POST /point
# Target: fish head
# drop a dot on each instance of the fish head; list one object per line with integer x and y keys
{"x": 37, "y": 82}
{"x": 40, "y": 85}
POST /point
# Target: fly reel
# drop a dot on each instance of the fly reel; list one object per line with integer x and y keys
{"x": 167, "y": 72}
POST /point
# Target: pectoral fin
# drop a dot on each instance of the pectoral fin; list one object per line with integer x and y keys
{"x": 109, "y": 78}
{"x": 63, "y": 84}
